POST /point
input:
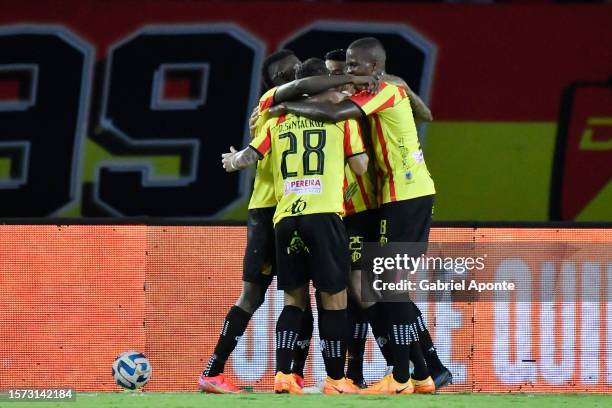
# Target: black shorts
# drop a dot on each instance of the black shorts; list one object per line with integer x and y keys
{"x": 361, "y": 227}
{"x": 259, "y": 264}
{"x": 312, "y": 247}
{"x": 406, "y": 220}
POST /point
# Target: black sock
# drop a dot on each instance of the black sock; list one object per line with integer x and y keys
{"x": 380, "y": 329}
{"x": 332, "y": 331}
{"x": 300, "y": 353}
{"x": 420, "y": 367}
{"x": 356, "y": 341}
{"x": 235, "y": 323}
{"x": 401, "y": 332}
{"x": 427, "y": 346}
{"x": 287, "y": 331}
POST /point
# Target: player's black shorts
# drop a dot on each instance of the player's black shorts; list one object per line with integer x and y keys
{"x": 259, "y": 264}
{"x": 312, "y": 247}
{"x": 361, "y": 227}
{"x": 406, "y": 220}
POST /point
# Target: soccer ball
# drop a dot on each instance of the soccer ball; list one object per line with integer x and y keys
{"x": 131, "y": 370}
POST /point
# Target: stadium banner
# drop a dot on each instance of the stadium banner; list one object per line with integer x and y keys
{"x": 74, "y": 297}
{"x": 129, "y": 118}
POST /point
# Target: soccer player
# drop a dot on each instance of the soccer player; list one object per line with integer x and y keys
{"x": 308, "y": 163}
{"x": 310, "y": 75}
{"x": 278, "y": 72}
{"x": 259, "y": 258}
{"x": 361, "y": 222}
{"x": 306, "y": 83}
{"x": 361, "y": 229}
{"x": 358, "y": 324}
{"x": 406, "y": 192}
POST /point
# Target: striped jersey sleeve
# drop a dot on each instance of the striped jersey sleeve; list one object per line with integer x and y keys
{"x": 262, "y": 141}
{"x": 267, "y": 100}
{"x": 372, "y": 103}
{"x": 353, "y": 142}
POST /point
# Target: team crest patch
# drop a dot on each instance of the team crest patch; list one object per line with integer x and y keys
{"x": 418, "y": 156}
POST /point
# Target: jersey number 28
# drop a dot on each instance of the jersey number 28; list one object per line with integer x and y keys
{"x": 310, "y": 147}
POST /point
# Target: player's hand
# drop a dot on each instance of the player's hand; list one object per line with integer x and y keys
{"x": 278, "y": 110}
{"x": 227, "y": 159}
{"x": 365, "y": 82}
{"x": 253, "y": 120}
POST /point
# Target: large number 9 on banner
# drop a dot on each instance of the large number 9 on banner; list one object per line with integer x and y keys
{"x": 46, "y": 72}
{"x": 212, "y": 61}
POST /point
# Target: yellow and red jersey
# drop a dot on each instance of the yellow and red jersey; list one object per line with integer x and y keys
{"x": 402, "y": 172}
{"x": 308, "y": 159}
{"x": 263, "y": 188}
{"x": 360, "y": 191}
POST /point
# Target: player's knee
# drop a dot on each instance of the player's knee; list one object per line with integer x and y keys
{"x": 248, "y": 305}
{"x": 297, "y": 297}
{"x": 354, "y": 287}
{"x": 252, "y": 296}
{"x": 334, "y": 301}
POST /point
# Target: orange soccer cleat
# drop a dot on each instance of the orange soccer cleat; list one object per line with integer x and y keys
{"x": 298, "y": 379}
{"x": 341, "y": 386}
{"x": 388, "y": 385}
{"x": 426, "y": 386}
{"x": 286, "y": 383}
{"x": 218, "y": 385}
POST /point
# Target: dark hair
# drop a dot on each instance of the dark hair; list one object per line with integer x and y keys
{"x": 269, "y": 60}
{"x": 311, "y": 67}
{"x": 336, "y": 55}
{"x": 373, "y": 47}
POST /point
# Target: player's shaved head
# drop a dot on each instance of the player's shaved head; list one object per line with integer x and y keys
{"x": 279, "y": 68}
{"x": 365, "y": 56}
{"x": 311, "y": 67}
{"x": 370, "y": 49}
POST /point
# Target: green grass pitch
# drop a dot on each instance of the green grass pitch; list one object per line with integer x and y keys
{"x": 268, "y": 400}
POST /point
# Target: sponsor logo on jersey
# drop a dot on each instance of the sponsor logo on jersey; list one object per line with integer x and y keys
{"x": 303, "y": 186}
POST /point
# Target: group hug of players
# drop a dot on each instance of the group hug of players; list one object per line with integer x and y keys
{"x": 338, "y": 164}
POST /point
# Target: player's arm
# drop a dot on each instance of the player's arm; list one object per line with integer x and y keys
{"x": 238, "y": 160}
{"x": 359, "y": 105}
{"x": 253, "y": 121}
{"x": 323, "y": 111}
{"x": 354, "y": 149}
{"x": 317, "y": 84}
{"x": 331, "y": 95}
{"x": 421, "y": 112}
